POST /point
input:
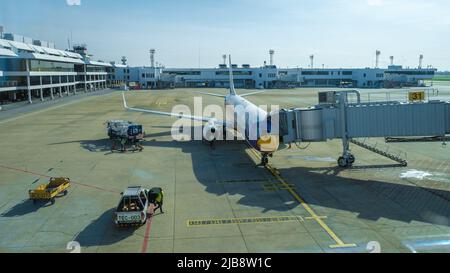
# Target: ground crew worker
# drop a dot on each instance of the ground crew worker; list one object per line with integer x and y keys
{"x": 137, "y": 143}
{"x": 159, "y": 200}
{"x": 123, "y": 142}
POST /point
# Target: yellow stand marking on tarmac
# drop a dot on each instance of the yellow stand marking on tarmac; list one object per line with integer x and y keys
{"x": 243, "y": 181}
{"x": 247, "y": 220}
{"x": 318, "y": 219}
{"x": 269, "y": 187}
{"x": 277, "y": 187}
{"x": 287, "y": 187}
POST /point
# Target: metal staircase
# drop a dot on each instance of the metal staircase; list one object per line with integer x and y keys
{"x": 373, "y": 148}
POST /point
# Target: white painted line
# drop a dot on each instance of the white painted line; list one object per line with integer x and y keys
{"x": 47, "y": 109}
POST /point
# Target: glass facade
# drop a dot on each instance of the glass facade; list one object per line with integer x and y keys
{"x": 93, "y": 68}
{"x": 235, "y": 73}
{"x": 13, "y": 65}
{"x": 46, "y": 66}
{"x": 183, "y": 73}
{"x": 322, "y": 73}
{"x": 411, "y": 72}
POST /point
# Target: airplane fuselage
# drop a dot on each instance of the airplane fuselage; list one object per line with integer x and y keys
{"x": 249, "y": 120}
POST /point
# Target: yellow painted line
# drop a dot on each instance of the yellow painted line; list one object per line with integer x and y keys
{"x": 247, "y": 220}
{"x": 318, "y": 219}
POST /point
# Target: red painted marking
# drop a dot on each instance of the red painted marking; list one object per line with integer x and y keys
{"x": 147, "y": 230}
{"x": 24, "y": 171}
{"x": 46, "y": 176}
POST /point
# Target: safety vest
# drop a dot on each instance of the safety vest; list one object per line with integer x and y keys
{"x": 159, "y": 198}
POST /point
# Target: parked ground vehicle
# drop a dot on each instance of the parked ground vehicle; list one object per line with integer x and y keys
{"x": 49, "y": 191}
{"x": 125, "y": 133}
{"x": 132, "y": 208}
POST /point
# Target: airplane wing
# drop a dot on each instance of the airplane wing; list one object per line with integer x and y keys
{"x": 196, "y": 118}
{"x": 212, "y": 94}
{"x": 252, "y": 93}
{"x": 223, "y": 96}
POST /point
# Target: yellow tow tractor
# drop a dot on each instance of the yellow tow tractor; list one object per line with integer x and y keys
{"x": 49, "y": 191}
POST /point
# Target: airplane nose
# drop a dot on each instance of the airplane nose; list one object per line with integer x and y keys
{"x": 268, "y": 143}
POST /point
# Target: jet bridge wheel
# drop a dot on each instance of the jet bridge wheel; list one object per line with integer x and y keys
{"x": 342, "y": 162}
{"x": 351, "y": 159}
{"x": 346, "y": 162}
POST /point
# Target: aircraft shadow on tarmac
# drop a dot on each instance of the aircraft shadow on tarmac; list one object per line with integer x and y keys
{"x": 368, "y": 199}
{"x": 102, "y": 231}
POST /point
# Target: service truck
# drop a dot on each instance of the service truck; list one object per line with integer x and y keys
{"x": 132, "y": 208}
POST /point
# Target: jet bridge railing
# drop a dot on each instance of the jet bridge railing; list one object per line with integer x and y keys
{"x": 398, "y": 95}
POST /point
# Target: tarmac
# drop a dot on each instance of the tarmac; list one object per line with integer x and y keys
{"x": 216, "y": 200}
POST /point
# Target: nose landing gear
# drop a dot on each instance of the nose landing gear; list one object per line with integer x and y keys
{"x": 265, "y": 159}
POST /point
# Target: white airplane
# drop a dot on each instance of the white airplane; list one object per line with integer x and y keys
{"x": 246, "y": 115}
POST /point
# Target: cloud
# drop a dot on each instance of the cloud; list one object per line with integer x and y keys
{"x": 73, "y": 2}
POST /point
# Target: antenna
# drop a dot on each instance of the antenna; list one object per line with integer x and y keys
{"x": 420, "y": 61}
{"x": 124, "y": 60}
{"x": 224, "y": 57}
{"x": 377, "y": 58}
{"x": 311, "y": 58}
{"x": 152, "y": 57}
{"x": 271, "y": 53}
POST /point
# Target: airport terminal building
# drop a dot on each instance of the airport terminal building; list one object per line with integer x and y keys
{"x": 270, "y": 76}
{"x": 35, "y": 69}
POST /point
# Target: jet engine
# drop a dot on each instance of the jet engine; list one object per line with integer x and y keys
{"x": 211, "y": 132}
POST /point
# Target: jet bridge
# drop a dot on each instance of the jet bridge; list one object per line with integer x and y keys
{"x": 337, "y": 118}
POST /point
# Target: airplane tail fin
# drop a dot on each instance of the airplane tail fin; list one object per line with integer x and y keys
{"x": 124, "y": 101}
{"x": 232, "y": 90}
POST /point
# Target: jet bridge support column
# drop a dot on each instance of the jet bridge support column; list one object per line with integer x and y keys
{"x": 347, "y": 159}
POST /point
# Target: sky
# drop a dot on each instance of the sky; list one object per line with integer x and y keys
{"x": 196, "y": 33}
